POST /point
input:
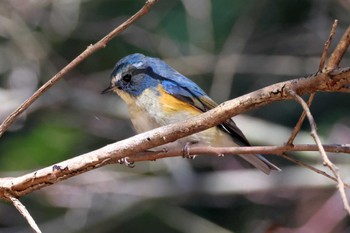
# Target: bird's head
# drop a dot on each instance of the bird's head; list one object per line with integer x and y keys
{"x": 132, "y": 75}
{"x": 135, "y": 73}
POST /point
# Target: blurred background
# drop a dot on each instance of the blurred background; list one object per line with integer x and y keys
{"x": 229, "y": 48}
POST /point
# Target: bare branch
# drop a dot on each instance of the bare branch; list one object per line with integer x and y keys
{"x": 86, "y": 53}
{"x": 339, "y": 51}
{"x": 28, "y": 183}
{"x": 218, "y": 151}
{"x": 23, "y": 210}
{"x": 326, "y": 46}
{"x": 312, "y": 95}
{"x": 325, "y": 158}
{"x": 318, "y": 171}
{"x": 300, "y": 121}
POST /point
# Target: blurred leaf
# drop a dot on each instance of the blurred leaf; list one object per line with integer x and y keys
{"x": 43, "y": 145}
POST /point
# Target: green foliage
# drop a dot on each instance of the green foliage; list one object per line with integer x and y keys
{"x": 40, "y": 146}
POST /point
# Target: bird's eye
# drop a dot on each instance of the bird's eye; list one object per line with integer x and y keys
{"x": 127, "y": 78}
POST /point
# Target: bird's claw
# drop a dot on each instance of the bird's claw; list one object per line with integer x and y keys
{"x": 126, "y": 162}
{"x": 186, "y": 151}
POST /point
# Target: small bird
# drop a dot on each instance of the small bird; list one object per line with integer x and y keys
{"x": 158, "y": 95}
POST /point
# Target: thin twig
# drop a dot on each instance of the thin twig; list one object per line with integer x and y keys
{"x": 272, "y": 150}
{"x": 323, "y": 173}
{"x": 209, "y": 150}
{"x": 23, "y": 210}
{"x": 326, "y": 161}
{"x": 312, "y": 95}
{"x": 300, "y": 121}
{"x": 339, "y": 51}
{"x": 87, "y": 52}
{"x": 326, "y": 45}
{"x": 50, "y": 175}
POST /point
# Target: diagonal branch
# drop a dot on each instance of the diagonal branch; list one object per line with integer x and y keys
{"x": 312, "y": 95}
{"x": 23, "y": 210}
{"x": 326, "y": 46}
{"x": 300, "y": 121}
{"x": 86, "y": 53}
{"x": 339, "y": 51}
{"x": 327, "y": 162}
{"x": 323, "y": 173}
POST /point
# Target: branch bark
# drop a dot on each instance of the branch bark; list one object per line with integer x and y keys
{"x": 23, "y": 210}
{"x": 338, "y": 53}
{"x": 218, "y": 151}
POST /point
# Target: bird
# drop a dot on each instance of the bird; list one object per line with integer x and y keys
{"x": 158, "y": 95}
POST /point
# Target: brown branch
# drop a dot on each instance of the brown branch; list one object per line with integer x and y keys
{"x": 318, "y": 171}
{"x": 312, "y": 95}
{"x": 28, "y": 183}
{"x": 219, "y": 151}
{"x": 23, "y": 210}
{"x": 209, "y": 150}
{"x": 87, "y": 52}
{"x": 339, "y": 51}
{"x": 327, "y": 162}
{"x": 326, "y": 45}
{"x": 300, "y": 121}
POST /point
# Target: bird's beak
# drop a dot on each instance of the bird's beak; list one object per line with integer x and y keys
{"x": 108, "y": 89}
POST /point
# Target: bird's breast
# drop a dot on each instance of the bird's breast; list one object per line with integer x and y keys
{"x": 155, "y": 108}
{"x": 161, "y": 107}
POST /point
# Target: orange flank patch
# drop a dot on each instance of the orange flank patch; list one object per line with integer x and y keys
{"x": 170, "y": 104}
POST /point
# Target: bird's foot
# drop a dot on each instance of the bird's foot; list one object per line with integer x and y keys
{"x": 126, "y": 162}
{"x": 186, "y": 151}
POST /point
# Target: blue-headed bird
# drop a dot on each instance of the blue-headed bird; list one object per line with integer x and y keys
{"x": 158, "y": 95}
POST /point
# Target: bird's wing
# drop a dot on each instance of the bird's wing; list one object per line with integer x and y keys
{"x": 190, "y": 93}
{"x": 228, "y": 126}
{"x": 195, "y": 96}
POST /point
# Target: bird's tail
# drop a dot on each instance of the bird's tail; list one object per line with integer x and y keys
{"x": 261, "y": 163}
